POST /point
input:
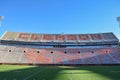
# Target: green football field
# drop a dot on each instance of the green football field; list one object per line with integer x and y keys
{"x": 20, "y": 72}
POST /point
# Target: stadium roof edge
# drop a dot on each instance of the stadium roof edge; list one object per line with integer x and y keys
{"x": 56, "y": 33}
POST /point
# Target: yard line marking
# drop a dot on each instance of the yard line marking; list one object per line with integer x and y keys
{"x": 69, "y": 77}
{"x": 32, "y": 74}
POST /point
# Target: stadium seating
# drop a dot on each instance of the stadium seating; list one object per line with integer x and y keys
{"x": 60, "y": 37}
{"x": 90, "y": 48}
{"x": 48, "y": 37}
{"x": 22, "y": 54}
{"x": 9, "y": 36}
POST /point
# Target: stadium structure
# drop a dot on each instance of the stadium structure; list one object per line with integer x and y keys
{"x": 59, "y": 49}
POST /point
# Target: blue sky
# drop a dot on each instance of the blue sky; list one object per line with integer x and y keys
{"x": 60, "y": 16}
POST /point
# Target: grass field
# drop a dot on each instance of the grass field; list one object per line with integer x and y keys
{"x": 20, "y": 72}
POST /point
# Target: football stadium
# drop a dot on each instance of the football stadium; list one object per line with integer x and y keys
{"x": 33, "y": 56}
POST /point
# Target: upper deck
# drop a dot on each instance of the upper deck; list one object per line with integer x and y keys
{"x": 30, "y": 37}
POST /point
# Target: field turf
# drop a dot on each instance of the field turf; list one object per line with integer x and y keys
{"x": 20, "y": 72}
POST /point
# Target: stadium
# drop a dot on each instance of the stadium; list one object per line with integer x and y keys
{"x": 64, "y": 54}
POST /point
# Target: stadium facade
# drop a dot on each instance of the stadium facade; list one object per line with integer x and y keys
{"x": 59, "y": 49}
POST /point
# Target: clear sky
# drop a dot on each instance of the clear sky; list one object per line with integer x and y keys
{"x": 60, "y": 16}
